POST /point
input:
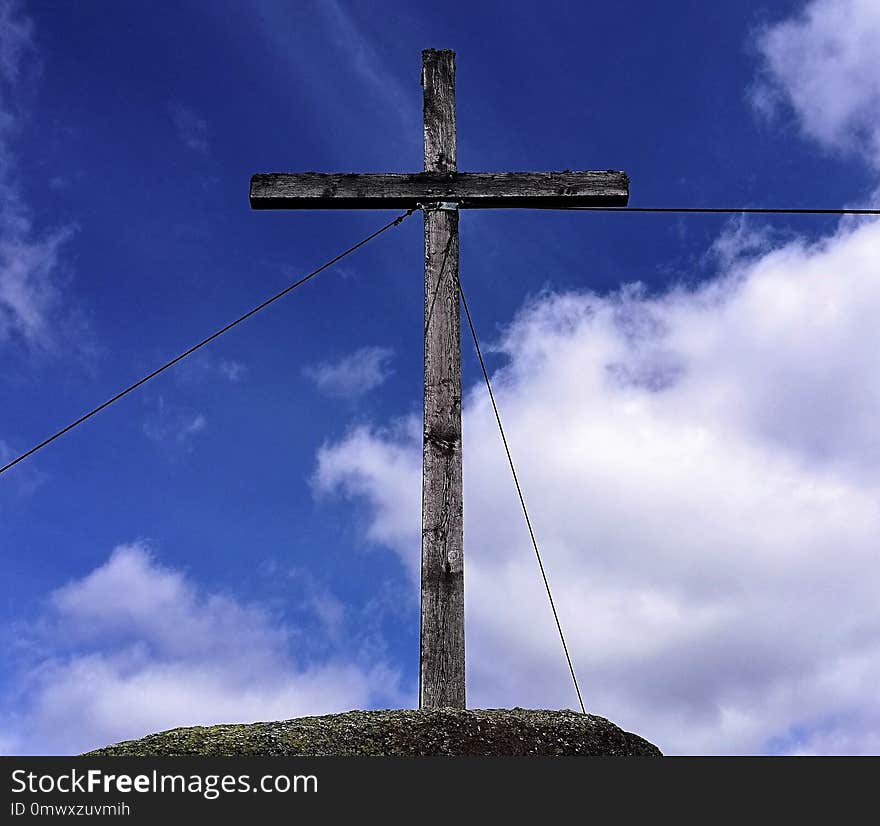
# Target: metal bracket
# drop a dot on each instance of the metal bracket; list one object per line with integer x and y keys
{"x": 445, "y": 206}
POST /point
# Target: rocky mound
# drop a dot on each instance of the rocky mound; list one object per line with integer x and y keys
{"x": 444, "y": 731}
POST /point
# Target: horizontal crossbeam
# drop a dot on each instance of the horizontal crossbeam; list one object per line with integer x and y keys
{"x": 318, "y": 190}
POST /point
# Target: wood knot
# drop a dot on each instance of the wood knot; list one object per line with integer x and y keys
{"x": 445, "y": 444}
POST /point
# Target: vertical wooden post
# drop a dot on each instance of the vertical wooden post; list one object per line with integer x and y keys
{"x": 441, "y": 661}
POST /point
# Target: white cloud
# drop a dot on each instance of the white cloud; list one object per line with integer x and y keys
{"x": 135, "y": 647}
{"x": 702, "y": 469}
{"x": 353, "y": 375}
{"x": 385, "y": 469}
{"x": 31, "y": 272}
{"x": 191, "y": 129}
{"x": 823, "y": 63}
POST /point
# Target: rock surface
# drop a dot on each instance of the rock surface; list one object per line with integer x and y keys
{"x": 444, "y": 731}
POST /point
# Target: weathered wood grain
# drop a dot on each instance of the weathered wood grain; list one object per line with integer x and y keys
{"x": 441, "y": 671}
{"x": 438, "y": 109}
{"x": 318, "y": 190}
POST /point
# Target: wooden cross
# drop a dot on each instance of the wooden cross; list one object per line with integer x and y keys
{"x": 440, "y": 191}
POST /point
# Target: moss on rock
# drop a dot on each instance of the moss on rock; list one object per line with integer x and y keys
{"x": 443, "y": 731}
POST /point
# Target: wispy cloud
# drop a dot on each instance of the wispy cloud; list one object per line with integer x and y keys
{"x": 232, "y": 370}
{"x": 367, "y": 60}
{"x": 204, "y": 367}
{"x": 353, "y": 375}
{"x": 173, "y": 426}
{"x": 191, "y": 129}
{"x": 16, "y": 39}
{"x": 31, "y": 271}
{"x": 135, "y": 647}
{"x": 342, "y": 41}
{"x": 27, "y": 478}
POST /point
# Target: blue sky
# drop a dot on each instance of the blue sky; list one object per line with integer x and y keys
{"x": 690, "y": 398}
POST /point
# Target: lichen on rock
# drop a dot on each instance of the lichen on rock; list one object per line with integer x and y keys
{"x": 426, "y": 732}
